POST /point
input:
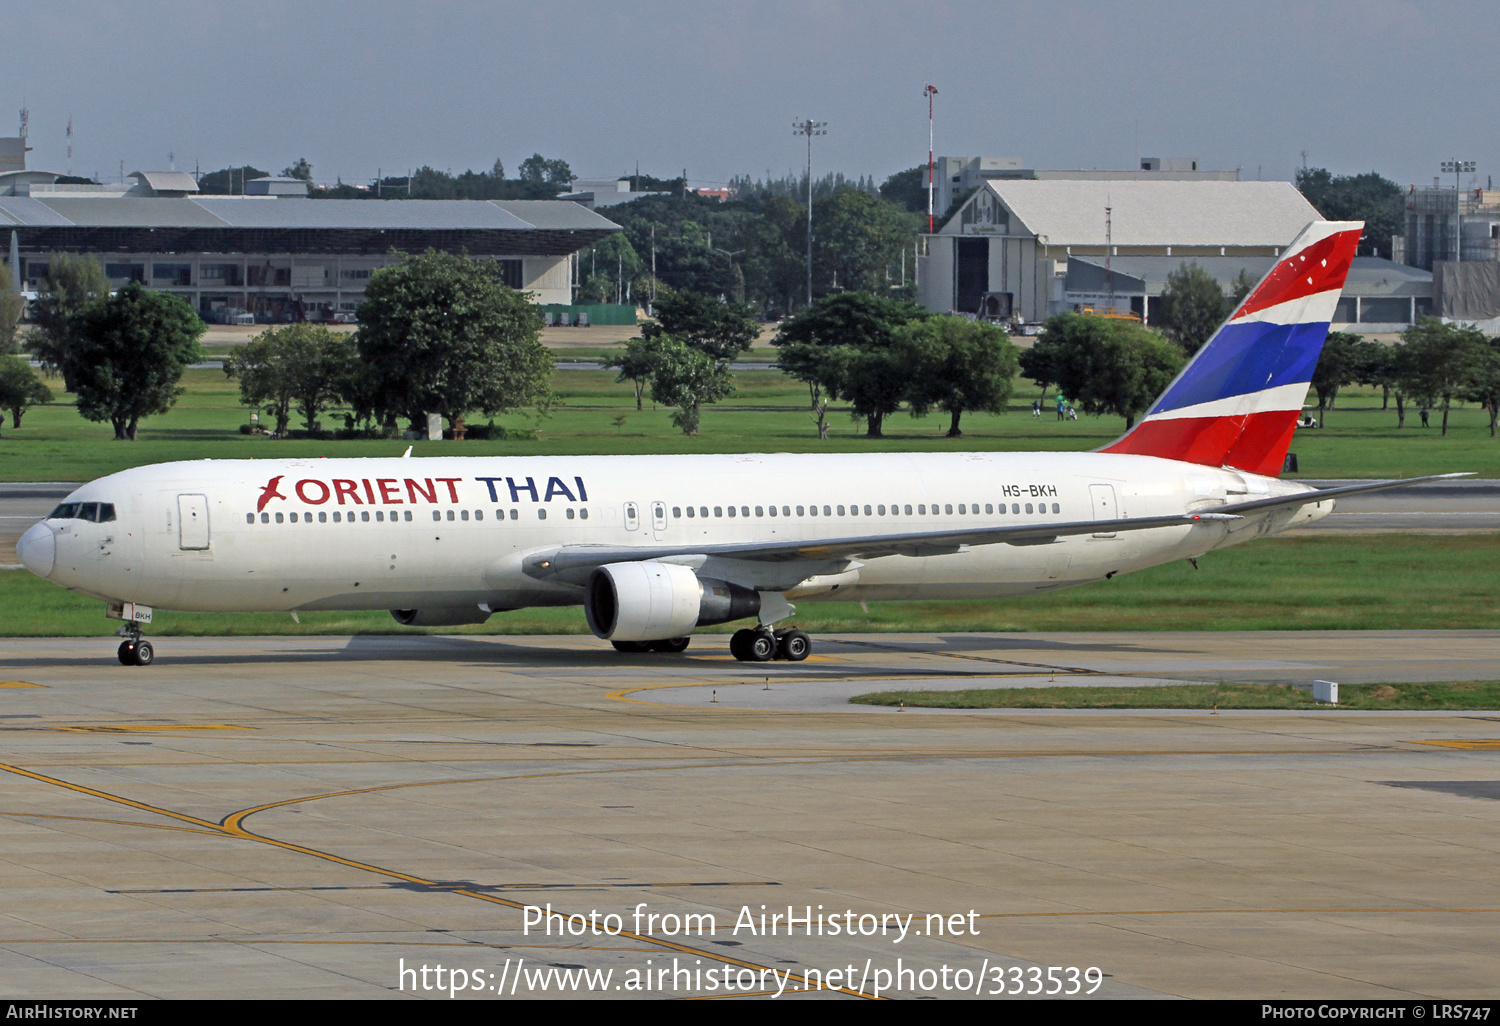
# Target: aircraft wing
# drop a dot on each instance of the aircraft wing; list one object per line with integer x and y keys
{"x": 571, "y": 561}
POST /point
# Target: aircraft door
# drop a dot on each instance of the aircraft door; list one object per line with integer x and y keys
{"x": 632, "y": 517}
{"x": 192, "y": 521}
{"x": 1103, "y": 498}
{"x": 659, "y": 518}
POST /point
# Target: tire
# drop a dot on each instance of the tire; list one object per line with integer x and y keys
{"x": 144, "y": 653}
{"x": 631, "y": 646}
{"x": 670, "y": 646}
{"x": 739, "y": 645}
{"x": 762, "y": 647}
{"x": 127, "y": 653}
{"x": 793, "y": 646}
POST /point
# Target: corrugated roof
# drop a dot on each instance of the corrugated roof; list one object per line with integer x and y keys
{"x": 1368, "y": 276}
{"x": 136, "y": 212}
{"x": 281, "y": 212}
{"x": 167, "y": 181}
{"x": 1170, "y": 213}
{"x": 556, "y": 214}
{"x": 28, "y": 212}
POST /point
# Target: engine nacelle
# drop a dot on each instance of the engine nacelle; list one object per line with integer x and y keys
{"x": 440, "y": 616}
{"x": 651, "y": 601}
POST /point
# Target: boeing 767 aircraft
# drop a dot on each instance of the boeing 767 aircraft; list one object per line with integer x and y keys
{"x": 654, "y": 546}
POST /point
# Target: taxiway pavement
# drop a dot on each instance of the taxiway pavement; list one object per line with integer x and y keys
{"x": 304, "y": 817}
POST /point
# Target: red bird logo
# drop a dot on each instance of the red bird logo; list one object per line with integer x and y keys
{"x": 269, "y": 493}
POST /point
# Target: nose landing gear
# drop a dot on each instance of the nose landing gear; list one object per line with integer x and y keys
{"x": 762, "y": 644}
{"x": 134, "y": 650}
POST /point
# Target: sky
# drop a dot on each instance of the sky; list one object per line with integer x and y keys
{"x": 713, "y": 89}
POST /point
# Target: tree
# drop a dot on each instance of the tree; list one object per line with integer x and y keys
{"x": 20, "y": 389}
{"x": 688, "y": 379}
{"x": 230, "y": 180}
{"x": 129, "y": 352}
{"x": 1106, "y": 365}
{"x": 305, "y": 365}
{"x": 852, "y": 336}
{"x": 443, "y": 334}
{"x": 1483, "y": 385}
{"x": 1438, "y": 360}
{"x": 856, "y": 239}
{"x": 301, "y": 170}
{"x": 1036, "y": 363}
{"x": 957, "y": 364}
{"x": 1338, "y": 365}
{"x": 1365, "y": 197}
{"x": 554, "y": 174}
{"x": 1193, "y": 307}
{"x": 907, "y": 189}
{"x": 72, "y": 283}
{"x": 11, "y": 306}
{"x": 638, "y": 363}
{"x": 713, "y": 326}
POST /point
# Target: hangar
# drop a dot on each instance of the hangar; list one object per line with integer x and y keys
{"x": 282, "y": 256}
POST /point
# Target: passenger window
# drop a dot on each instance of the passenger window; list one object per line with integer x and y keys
{"x": 1015, "y": 507}
{"x": 406, "y": 515}
{"x": 450, "y": 514}
{"x": 279, "y": 518}
{"x": 1056, "y": 508}
{"x": 691, "y": 512}
{"x": 921, "y": 510}
{"x": 812, "y": 511}
{"x": 1028, "y": 507}
{"x": 499, "y": 514}
{"x": 826, "y": 513}
{"x": 265, "y": 518}
{"x": 841, "y": 510}
{"x": 323, "y": 517}
{"x": 463, "y": 514}
{"x": 786, "y": 511}
{"x": 867, "y": 510}
{"x": 718, "y": 511}
{"x": 249, "y": 518}
{"x": 744, "y": 511}
{"x": 570, "y": 513}
{"x": 799, "y": 511}
{"x": 364, "y": 516}
{"x": 479, "y": 514}
{"x": 583, "y": 514}
{"x": 437, "y": 514}
{"x": 962, "y": 507}
{"x": 380, "y": 515}
{"x": 880, "y": 510}
{"x": 988, "y": 508}
{"x": 731, "y": 511}
{"x": 677, "y": 512}
{"x": 541, "y": 514}
{"x": 703, "y": 511}
{"x": 948, "y": 509}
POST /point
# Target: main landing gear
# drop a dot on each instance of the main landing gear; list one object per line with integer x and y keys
{"x": 762, "y": 644}
{"x": 134, "y": 650}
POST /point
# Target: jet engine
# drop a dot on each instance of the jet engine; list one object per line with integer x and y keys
{"x": 440, "y": 616}
{"x": 651, "y": 601}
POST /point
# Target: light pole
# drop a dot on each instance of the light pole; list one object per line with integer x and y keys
{"x": 809, "y": 128}
{"x": 929, "y": 92}
{"x": 1457, "y": 168}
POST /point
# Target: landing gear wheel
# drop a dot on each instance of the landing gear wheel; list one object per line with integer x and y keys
{"x": 631, "y": 646}
{"x": 739, "y": 644}
{"x": 793, "y": 646}
{"x": 670, "y": 645}
{"x": 762, "y": 647}
{"x": 127, "y": 653}
{"x": 144, "y": 653}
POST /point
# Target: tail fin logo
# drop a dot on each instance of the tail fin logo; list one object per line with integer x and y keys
{"x": 1237, "y": 401}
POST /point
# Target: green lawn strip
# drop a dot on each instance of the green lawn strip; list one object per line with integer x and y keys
{"x": 1484, "y": 694}
{"x": 1324, "y": 582}
{"x": 768, "y": 413}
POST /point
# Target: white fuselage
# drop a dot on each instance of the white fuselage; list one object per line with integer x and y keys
{"x": 255, "y": 535}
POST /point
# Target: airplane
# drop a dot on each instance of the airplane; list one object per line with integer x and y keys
{"x": 653, "y": 547}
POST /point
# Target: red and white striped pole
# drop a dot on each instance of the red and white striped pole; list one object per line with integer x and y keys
{"x": 929, "y": 92}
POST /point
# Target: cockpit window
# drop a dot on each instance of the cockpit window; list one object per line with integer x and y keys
{"x": 93, "y": 512}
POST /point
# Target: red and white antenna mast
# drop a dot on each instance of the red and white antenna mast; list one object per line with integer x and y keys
{"x": 929, "y": 92}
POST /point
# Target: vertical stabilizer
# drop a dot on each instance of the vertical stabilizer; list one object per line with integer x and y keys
{"x": 1237, "y": 401}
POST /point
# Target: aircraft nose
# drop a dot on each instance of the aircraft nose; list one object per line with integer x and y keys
{"x": 37, "y": 550}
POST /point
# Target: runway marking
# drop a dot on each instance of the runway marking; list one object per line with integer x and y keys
{"x": 620, "y": 694}
{"x": 116, "y": 822}
{"x": 19, "y": 684}
{"x": 126, "y": 728}
{"x": 230, "y": 826}
{"x": 1478, "y": 744}
{"x": 1219, "y": 912}
{"x": 448, "y": 887}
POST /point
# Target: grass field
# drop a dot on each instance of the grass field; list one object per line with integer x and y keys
{"x": 1446, "y": 695}
{"x": 768, "y": 413}
{"x": 1328, "y": 582}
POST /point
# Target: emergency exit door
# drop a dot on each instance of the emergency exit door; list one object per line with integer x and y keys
{"x": 1103, "y": 498}
{"x": 192, "y": 521}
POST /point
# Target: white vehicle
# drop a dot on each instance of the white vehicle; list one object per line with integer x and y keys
{"x": 654, "y": 546}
